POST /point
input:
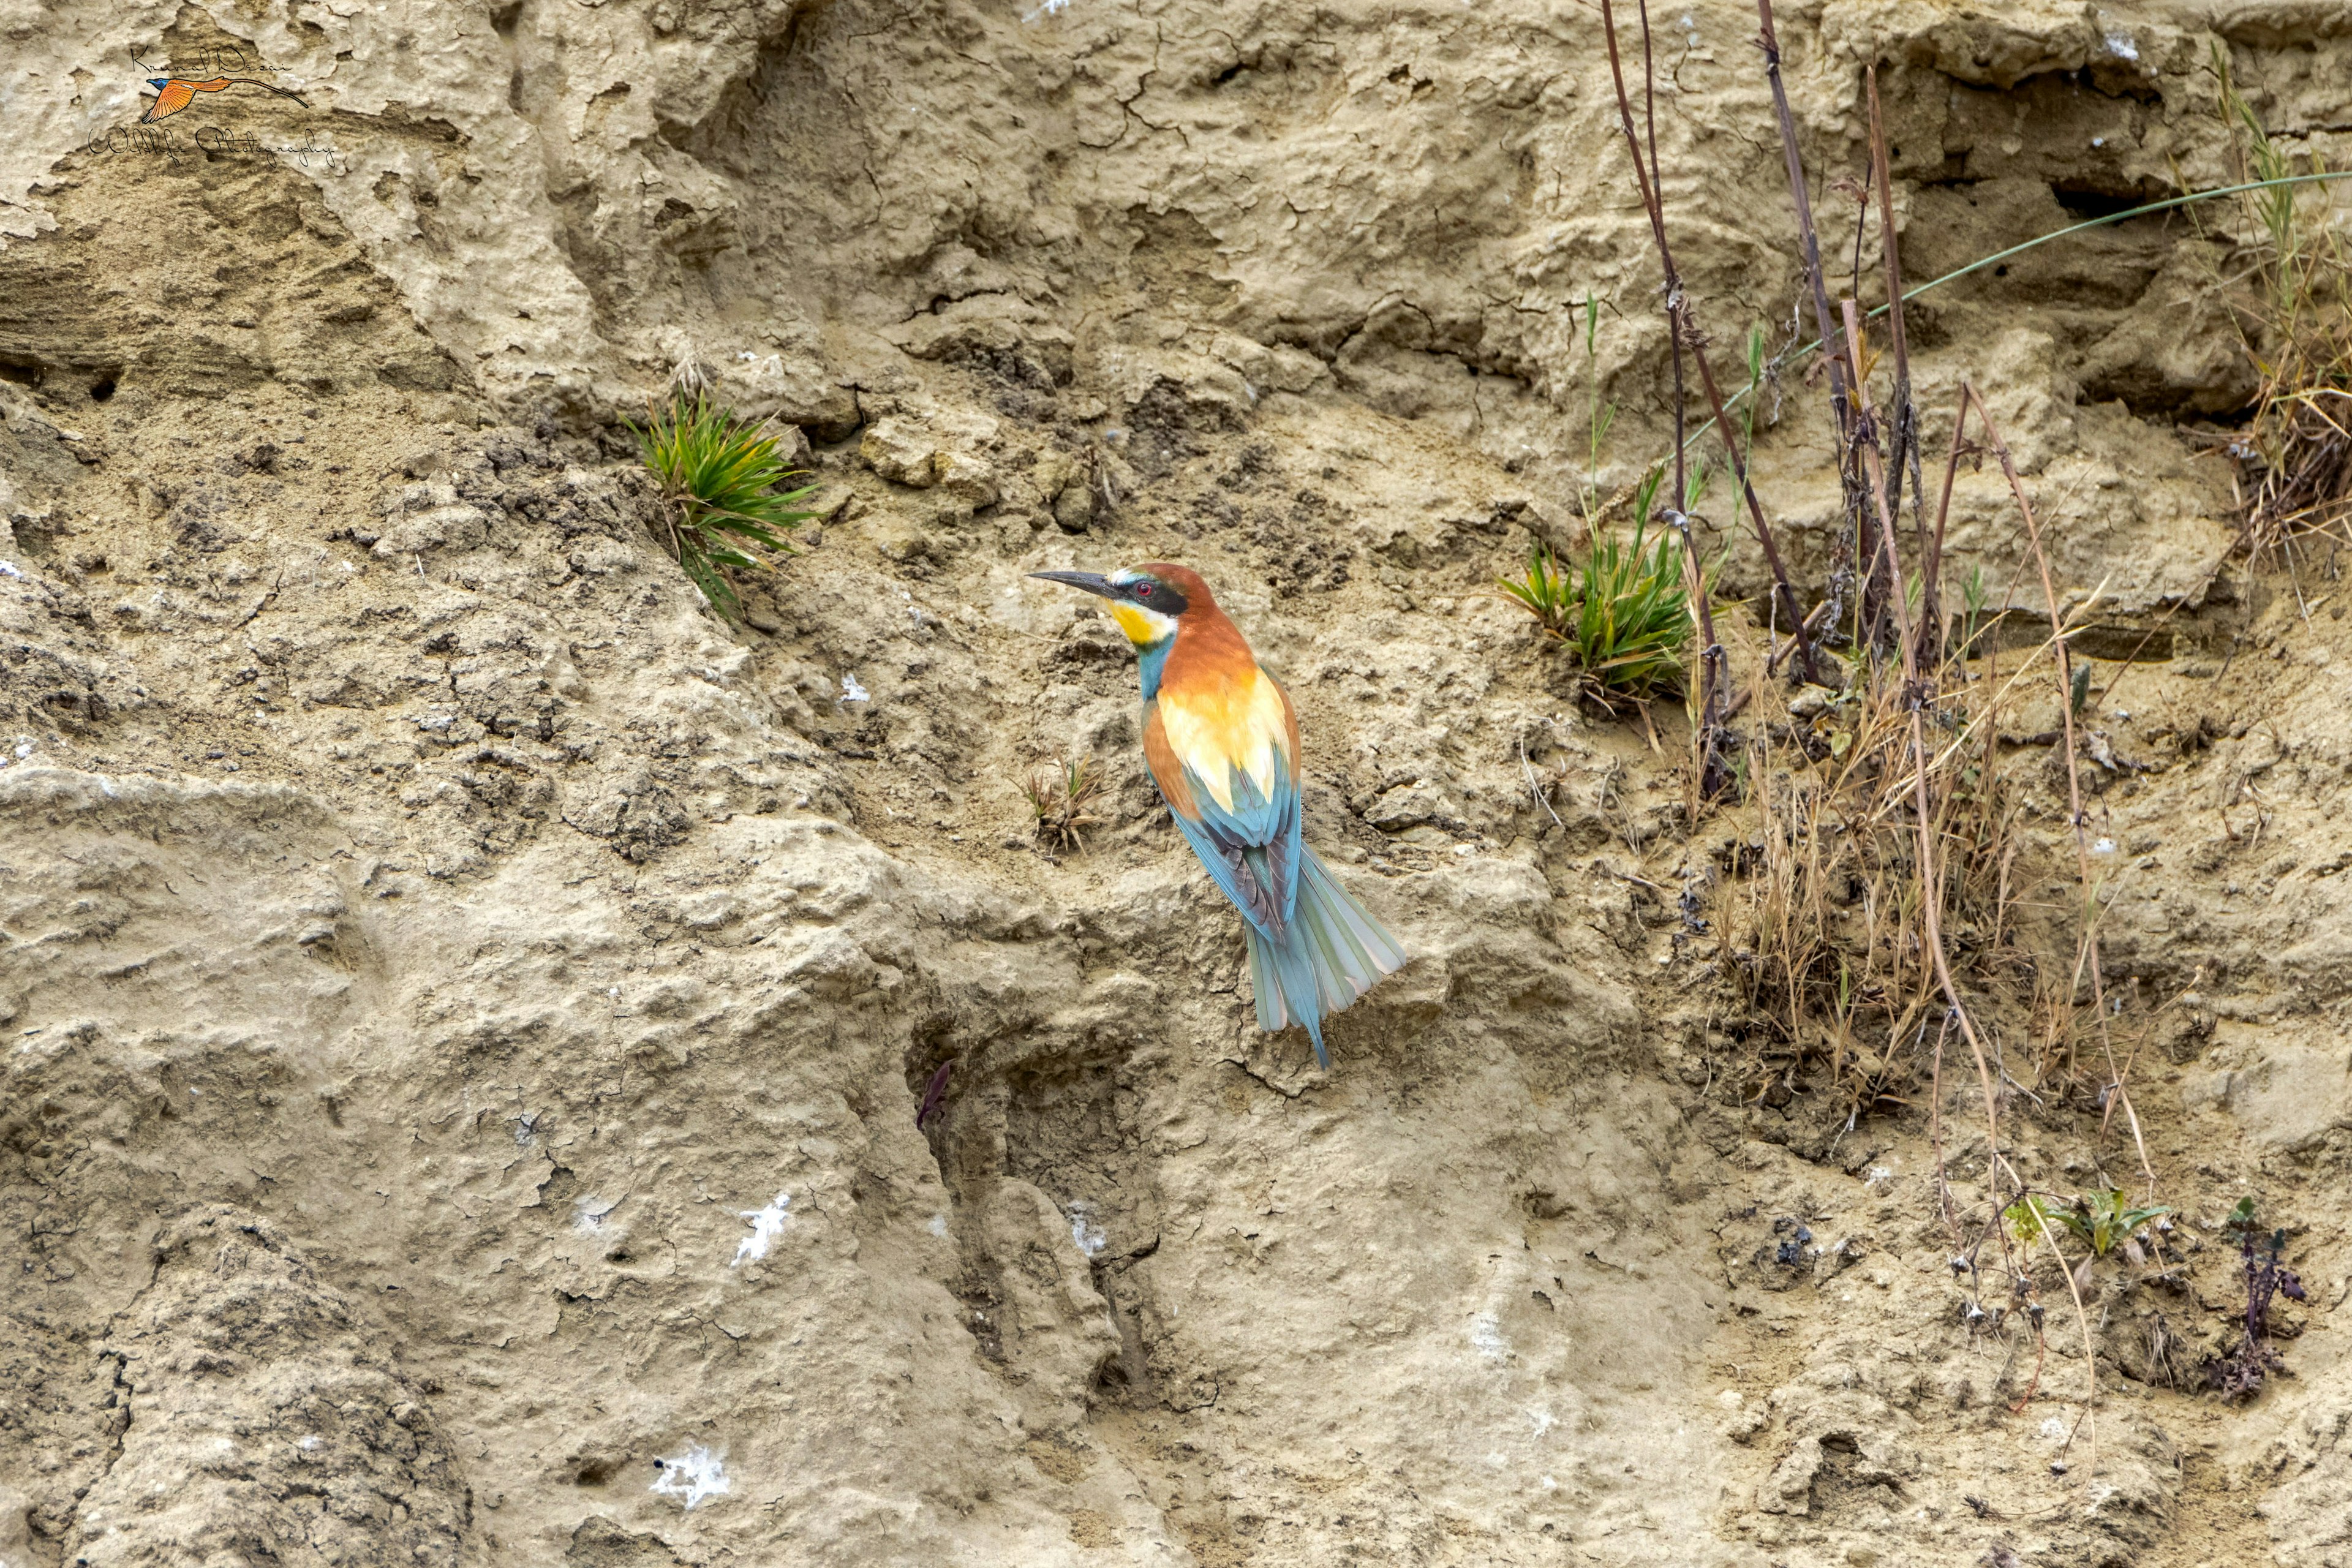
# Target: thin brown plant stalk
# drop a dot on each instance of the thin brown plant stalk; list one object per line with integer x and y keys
{"x": 1679, "y": 319}
{"x": 1849, "y": 548}
{"x": 1897, "y": 339}
{"x": 1809, "y": 243}
{"x": 1755, "y": 511}
{"x": 1711, "y": 775}
{"x": 1674, "y": 339}
{"x": 1930, "y": 867}
{"x": 2090, "y": 1354}
{"x": 1936, "y": 1131}
{"x": 2033, "y": 1385}
{"x": 1906, "y": 412}
{"x": 1931, "y": 559}
{"x": 2064, "y": 655}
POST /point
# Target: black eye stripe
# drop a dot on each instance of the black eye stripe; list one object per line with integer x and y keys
{"x": 1156, "y": 596}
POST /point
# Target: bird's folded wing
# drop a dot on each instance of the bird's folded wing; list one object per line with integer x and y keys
{"x": 1227, "y": 765}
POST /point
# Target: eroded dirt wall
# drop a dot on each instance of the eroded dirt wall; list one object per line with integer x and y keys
{"x": 466, "y": 1005}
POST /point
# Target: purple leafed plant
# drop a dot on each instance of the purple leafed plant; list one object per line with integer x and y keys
{"x": 2239, "y": 1374}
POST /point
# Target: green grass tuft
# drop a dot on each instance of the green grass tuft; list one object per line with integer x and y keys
{"x": 718, "y": 474}
{"x": 1062, "y": 797}
{"x": 1627, "y": 615}
{"x": 2294, "y": 451}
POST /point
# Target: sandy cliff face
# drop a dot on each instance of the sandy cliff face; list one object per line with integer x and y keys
{"x": 466, "y": 1005}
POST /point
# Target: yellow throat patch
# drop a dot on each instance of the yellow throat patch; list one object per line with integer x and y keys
{"x": 1143, "y": 627}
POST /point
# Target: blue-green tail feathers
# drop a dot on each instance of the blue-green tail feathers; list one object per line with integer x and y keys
{"x": 1336, "y": 953}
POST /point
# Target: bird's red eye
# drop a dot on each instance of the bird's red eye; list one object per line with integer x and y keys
{"x": 1143, "y": 591}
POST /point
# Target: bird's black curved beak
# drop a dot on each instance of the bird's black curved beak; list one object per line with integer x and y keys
{"x": 1092, "y": 581}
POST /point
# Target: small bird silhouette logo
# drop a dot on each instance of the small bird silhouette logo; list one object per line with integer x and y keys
{"x": 173, "y": 93}
{"x": 1220, "y": 739}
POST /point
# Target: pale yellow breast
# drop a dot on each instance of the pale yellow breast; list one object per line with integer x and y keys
{"x": 1231, "y": 727}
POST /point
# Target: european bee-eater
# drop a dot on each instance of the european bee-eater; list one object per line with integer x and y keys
{"x": 1222, "y": 741}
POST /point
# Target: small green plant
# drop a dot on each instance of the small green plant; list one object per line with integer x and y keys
{"x": 1547, "y": 593}
{"x": 1756, "y": 370}
{"x": 1060, "y": 795}
{"x": 2102, "y": 1219}
{"x": 718, "y": 474}
{"x": 1599, "y": 415}
{"x": 1626, "y": 615}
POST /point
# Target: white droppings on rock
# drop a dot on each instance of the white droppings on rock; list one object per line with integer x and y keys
{"x": 1084, "y": 1232}
{"x": 1486, "y": 1335}
{"x": 938, "y": 1225}
{"x": 852, "y": 690}
{"x": 693, "y": 1474}
{"x": 767, "y": 1223}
